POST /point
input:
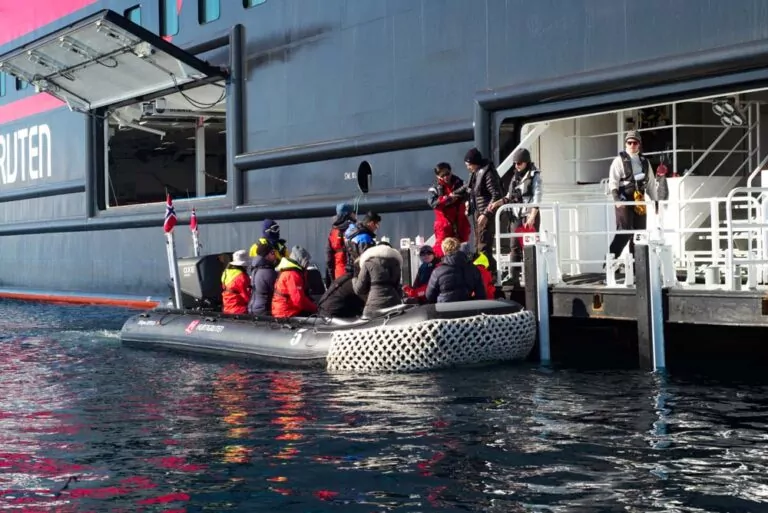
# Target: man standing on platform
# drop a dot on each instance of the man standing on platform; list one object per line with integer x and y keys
{"x": 484, "y": 189}
{"x": 630, "y": 178}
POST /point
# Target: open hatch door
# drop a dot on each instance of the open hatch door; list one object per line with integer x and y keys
{"x": 106, "y": 60}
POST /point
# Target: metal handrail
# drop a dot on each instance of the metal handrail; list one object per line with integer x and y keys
{"x": 729, "y": 258}
{"x": 558, "y": 232}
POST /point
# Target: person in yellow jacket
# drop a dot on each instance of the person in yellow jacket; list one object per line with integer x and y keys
{"x": 271, "y": 236}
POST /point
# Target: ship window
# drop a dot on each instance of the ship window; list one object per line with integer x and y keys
{"x": 208, "y": 10}
{"x": 169, "y": 18}
{"x": 2, "y": 84}
{"x": 134, "y": 14}
{"x": 176, "y": 143}
{"x": 252, "y": 3}
{"x": 21, "y": 84}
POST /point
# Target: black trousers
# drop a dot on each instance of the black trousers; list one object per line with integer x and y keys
{"x": 484, "y": 239}
{"x": 517, "y": 242}
{"x": 626, "y": 219}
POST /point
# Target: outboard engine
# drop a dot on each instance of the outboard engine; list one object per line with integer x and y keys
{"x": 200, "y": 280}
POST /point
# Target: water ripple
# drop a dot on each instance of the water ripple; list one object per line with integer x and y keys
{"x": 87, "y": 425}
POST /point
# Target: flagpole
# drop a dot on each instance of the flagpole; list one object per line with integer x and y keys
{"x": 170, "y": 247}
{"x": 195, "y": 233}
{"x": 196, "y": 243}
{"x": 174, "y": 267}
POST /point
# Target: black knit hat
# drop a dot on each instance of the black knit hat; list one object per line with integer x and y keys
{"x": 473, "y": 156}
{"x": 521, "y": 155}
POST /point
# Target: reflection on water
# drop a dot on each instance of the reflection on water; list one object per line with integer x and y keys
{"x": 86, "y": 425}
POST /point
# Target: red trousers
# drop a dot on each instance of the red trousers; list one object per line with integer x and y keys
{"x": 460, "y": 230}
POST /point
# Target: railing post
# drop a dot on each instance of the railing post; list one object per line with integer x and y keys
{"x": 537, "y": 294}
{"x": 714, "y": 217}
{"x": 650, "y": 316}
{"x": 497, "y": 246}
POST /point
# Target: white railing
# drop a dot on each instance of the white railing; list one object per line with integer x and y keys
{"x": 567, "y": 234}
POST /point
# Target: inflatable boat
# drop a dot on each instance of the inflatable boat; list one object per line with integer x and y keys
{"x": 400, "y": 339}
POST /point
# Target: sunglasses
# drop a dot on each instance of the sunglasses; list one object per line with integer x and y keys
{"x": 633, "y": 143}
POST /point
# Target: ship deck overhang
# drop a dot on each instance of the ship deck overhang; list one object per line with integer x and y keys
{"x": 656, "y": 81}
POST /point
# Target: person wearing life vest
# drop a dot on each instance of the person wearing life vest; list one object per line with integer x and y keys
{"x": 630, "y": 178}
{"x": 236, "y": 285}
{"x": 524, "y": 187}
{"x": 359, "y": 237}
{"x": 291, "y": 298}
{"x": 271, "y": 236}
{"x": 428, "y": 263}
{"x": 336, "y": 250}
{"x": 481, "y": 262}
{"x": 484, "y": 189}
{"x": 446, "y": 197}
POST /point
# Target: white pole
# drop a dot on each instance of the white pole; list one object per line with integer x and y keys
{"x": 174, "y": 268}
{"x": 196, "y": 243}
{"x": 542, "y": 301}
{"x": 657, "y": 312}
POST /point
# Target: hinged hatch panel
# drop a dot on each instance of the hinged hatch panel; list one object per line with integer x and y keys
{"x": 104, "y": 60}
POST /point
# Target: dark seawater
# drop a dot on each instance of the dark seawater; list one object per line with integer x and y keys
{"x": 138, "y": 431}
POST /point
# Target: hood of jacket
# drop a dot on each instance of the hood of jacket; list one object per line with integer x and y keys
{"x": 286, "y": 264}
{"x": 381, "y": 251}
{"x": 342, "y": 222}
{"x": 260, "y": 262}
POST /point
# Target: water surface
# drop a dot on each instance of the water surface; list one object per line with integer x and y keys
{"x": 89, "y": 426}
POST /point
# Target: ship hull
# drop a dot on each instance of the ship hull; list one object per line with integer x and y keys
{"x": 400, "y": 84}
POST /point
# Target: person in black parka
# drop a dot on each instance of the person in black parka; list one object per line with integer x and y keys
{"x": 456, "y": 278}
{"x": 340, "y": 300}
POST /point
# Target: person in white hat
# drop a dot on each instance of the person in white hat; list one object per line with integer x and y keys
{"x": 236, "y": 285}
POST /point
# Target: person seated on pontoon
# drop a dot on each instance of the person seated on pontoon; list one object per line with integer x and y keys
{"x": 359, "y": 237}
{"x": 291, "y": 298}
{"x": 379, "y": 278}
{"x": 270, "y": 236}
{"x": 428, "y": 263}
{"x": 236, "y": 285}
{"x": 456, "y": 278}
{"x": 263, "y": 278}
{"x": 340, "y": 300}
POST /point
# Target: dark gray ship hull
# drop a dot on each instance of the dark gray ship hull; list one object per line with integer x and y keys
{"x": 403, "y": 84}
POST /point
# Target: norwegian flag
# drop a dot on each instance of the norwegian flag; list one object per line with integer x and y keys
{"x": 170, "y": 215}
{"x": 193, "y": 221}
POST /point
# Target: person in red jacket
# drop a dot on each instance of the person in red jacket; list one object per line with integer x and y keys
{"x": 446, "y": 197}
{"x": 336, "y": 248}
{"x": 236, "y": 285}
{"x": 291, "y": 298}
{"x": 482, "y": 264}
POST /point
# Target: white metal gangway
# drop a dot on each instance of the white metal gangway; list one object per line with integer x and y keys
{"x": 581, "y": 233}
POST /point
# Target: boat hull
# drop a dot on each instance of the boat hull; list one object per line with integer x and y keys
{"x": 303, "y": 342}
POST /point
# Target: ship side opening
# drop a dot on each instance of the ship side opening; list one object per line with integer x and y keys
{"x": 174, "y": 144}
{"x": 158, "y": 112}
{"x": 709, "y": 145}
